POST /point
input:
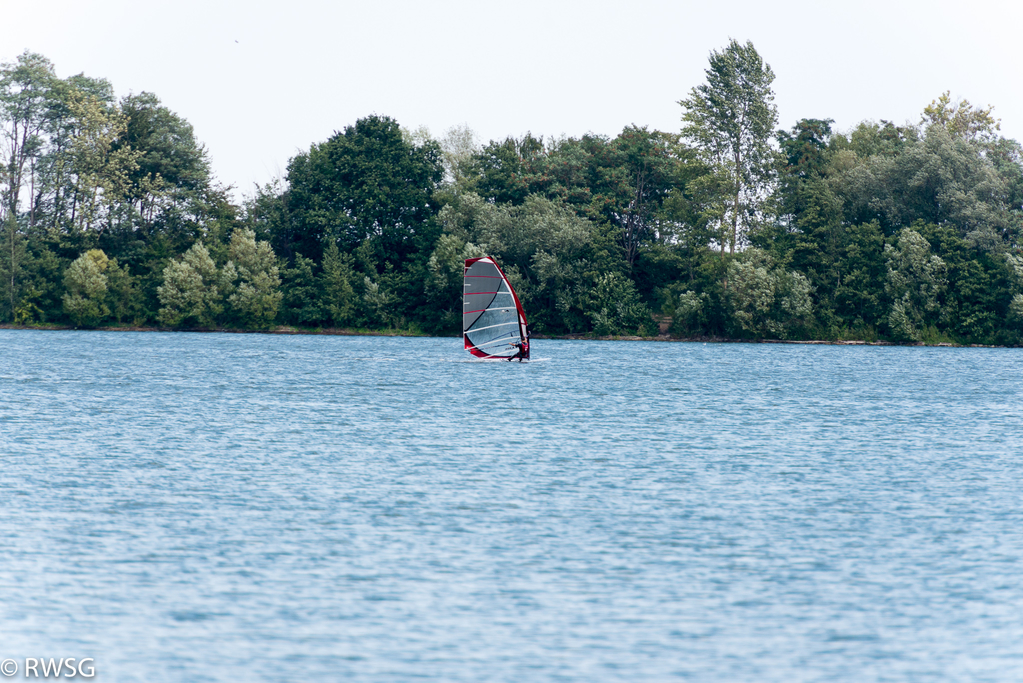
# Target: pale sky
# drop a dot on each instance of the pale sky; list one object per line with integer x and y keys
{"x": 261, "y": 81}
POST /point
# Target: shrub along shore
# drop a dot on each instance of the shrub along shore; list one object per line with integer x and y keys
{"x": 729, "y": 227}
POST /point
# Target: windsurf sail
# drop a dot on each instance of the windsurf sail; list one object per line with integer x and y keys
{"x": 493, "y": 323}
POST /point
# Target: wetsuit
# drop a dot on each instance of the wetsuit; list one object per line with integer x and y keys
{"x": 523, "y": 347}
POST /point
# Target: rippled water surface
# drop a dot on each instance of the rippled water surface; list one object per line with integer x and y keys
{"x": 211, "y": 507}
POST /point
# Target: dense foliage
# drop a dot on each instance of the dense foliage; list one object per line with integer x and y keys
{"x": 729, "y": 227}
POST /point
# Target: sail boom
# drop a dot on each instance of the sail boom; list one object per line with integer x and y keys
{"x": 497, "y": 325}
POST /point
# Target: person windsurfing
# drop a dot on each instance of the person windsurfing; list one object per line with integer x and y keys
{"x": 523, "y": 348}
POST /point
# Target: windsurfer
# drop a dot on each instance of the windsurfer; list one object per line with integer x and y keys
{"x": 522, "y": 346}
{"x": 523, "y": 350}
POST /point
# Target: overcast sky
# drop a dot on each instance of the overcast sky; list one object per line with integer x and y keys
{"x": 260, "y": 80}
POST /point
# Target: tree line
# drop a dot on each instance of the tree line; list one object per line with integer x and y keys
{"x": 728, "y": 227}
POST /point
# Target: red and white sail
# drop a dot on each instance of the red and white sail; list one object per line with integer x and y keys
{"x": 493, "y": 323}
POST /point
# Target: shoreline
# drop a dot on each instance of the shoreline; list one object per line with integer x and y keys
{"x": 355, "y": 332}
{"x": 730, "y": 340}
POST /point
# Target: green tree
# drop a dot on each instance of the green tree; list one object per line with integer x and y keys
{"x": 378, "y": 300}
{"x": 615, "y": 307}
{"x": 458, "y": 146}
{"x": 940, "y": 178}
{"x": 961, "y": 119}
{"x": 255, "y": 297}
{"x": 979, "y": 285}
{"x": 872, "y": 138}
{"x": 1014, "y": 313}
{"x": 123, "y": 297}
{"x": 101, "y": 169}
{"x": 635, "y": 178}
{"x": 623, "y": 181}
{"x": 811, "y": 231}
{"x": 171, "y": 166}
{"x": 767, "y": 300}
{"x": 301, "y": 304}
{"x": 25, "y": 92}
{"x": 730, "y": 120}
{"x": 690, "y": 212}
{"x": 500, "y": 171}
{"x": 914, "y": 283}
{"x": 85, "y": 283}
{"x": 57, "y": 188}
{"x": 13, "y": 254}
{"x": 25, "y": 86}
{"x": 1016, "y": 310}
{"x": 267, "y": 214}
{"x": 366, "y": 182}
{"x": 41, "y": 286}
{"x": 859, "y": 294}
{"x": 191, "y": 290}
{"x": 338, "y": 285}
{"x": 688, "y": 313}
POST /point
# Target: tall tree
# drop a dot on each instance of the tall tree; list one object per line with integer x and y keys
{"x": 172, "y": 163}
{"x": 86, "y": 286}
{"x": 12, "y": 261}
{"x": 457, "y": 147}
{"x": 56, "y": 190}
{"x": 255, "y": 297}
{"x": 336, "y": 284}
{"x": 730, "y": 120}
{"x": 192, "y": 290}
{"x": 499, "y": 171}
{"x": 915, "y": 282}
{"x": 646, "y": 160}
{"x": 102, "y": 170}
{"x": 941, "y": 178}
{"x": 24, "y": 97}
{"x": 961, "y": 119}
{"x": 25, "y": 86}
{"x": 811, "y": 213}
{"x": 367, "y": 182}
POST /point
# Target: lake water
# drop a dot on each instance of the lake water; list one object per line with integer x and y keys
{"x": 216, "y": 507}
